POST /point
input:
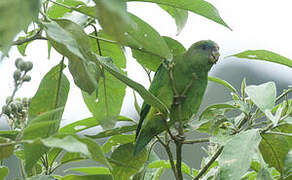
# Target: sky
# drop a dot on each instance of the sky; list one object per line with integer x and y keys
{"x": 256, "y": 24}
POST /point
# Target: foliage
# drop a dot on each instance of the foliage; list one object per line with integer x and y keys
{"x": 250, "y": 135}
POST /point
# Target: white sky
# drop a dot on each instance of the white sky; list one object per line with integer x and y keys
{"x": 256, "y": 24}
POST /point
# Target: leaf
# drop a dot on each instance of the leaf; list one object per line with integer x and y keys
{"x": 166, "y": 164}
{"x": 52, "y": 155}
{"x": 147, "y": 96}
{"x": 57, "y": 11}
{"x": 222, "y": 82}
{"x": 265, "y": 56}
{"x": 117, "y": 140}
{"x": 21, "y": 48}
{"x": 11, "y": 134}
{"x": 114, "y": 131}
{"x": 70, "y": 40}
{"x": 237, "y": 154}
{"x": 3, "y": 172}
{"x": 72, "y": 157}
{"x": 264, "y": 95}
{"x": 10, "y": 10}
{"x": 288, "y": 164}
{"x": 51, "y": 95}
{"x": 90, "y": 170}
{"x": 152, "y": 61}
{"x": 274, "y": 149}
{"x": 136, "y": 105}
{"x": 41, "y": 177}
{"x": 88, "y": 177}
{"x": 106, "y": 105}
{"x": 264, "y": 174}
{"x": 124, "y": 154}
{"x": 5, "y": 150}
{"x": 179, "y": 15}
{"x": 79, "y": 126}
{"x": 199, "y": 7}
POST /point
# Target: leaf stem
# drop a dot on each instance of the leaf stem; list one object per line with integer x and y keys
{"x": 206, "y": 167}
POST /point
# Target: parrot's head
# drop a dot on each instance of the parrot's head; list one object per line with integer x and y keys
{"x": 204, "y": 53}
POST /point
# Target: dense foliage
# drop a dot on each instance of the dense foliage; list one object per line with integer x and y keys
{"x": 249, "y": 136}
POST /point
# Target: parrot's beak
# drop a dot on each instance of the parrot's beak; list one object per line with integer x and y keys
{"x": 215, "y": 54}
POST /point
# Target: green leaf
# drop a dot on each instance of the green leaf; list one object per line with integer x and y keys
{"x": 41, "y": 177}
{"x": 11, "y": 134}
{"x": 136, "y": 105}
{"x": 5, "y": 150}
{"x": 117, "y": 140}
{"x": 264, "y": 174}
{"x": 90, "y": 170}
{"x": 152, "y": 61}
{"x": 17, "y": 15}
{"x": 53, "y": 154}
{"x": 21, "y": 48}
{"x": 106, "y": 105}
{"x": 222, "y": 82}
{"x": 147, "y": 96}
{"x": 72, "y": 157}
{"x": 264, "y": 95}
{"x": 265, "y": 56}
{"x": 179, "y": 15}
{"x": 70, "y": 40}
{"x": 125, "y": 164}
{"x": 57, "y": 11}
{"x": 51, "y": 95}
{"x": 237, "y": 154}
{"x": 114, "y": 131}
{"x": 274, "y": 149}
{"x": 199, "y": 7}
{"x": 79, "y": 126}
{"x": 166, "y": 164}
{"x": 3, "y": 172}
{"x": 288, "y": 164}
{"x": 88, "y": 177}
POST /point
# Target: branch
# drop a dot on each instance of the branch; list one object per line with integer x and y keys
{"x": 36, "y": 36}
{"x": 201, "y": 140}
{"x": 212, "y": 160}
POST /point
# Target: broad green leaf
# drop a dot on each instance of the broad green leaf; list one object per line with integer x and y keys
{"x": 105, "y": 105}
{"x": 5, "y": 150}
{"x": 53, "y": 154}
{"x": 125, "y": 164}
{"x": 222, "y": 82}
{"x": 91, "y": 170}
{"x": 17, "y": 15}
{"x": 265, "y": 56}
{"x": 3, "y": 172}
{"x": 70, "y": 40}
{"x": 152, "y": 61}
{"x": 199, "y": 7}
{"x": 274, "y": 149}
{"x": 288, "y": 164}
{"x": 237, "y": 154}
{"x": 11, "y": 134}
{"x": 117, "y": 140}
{"x": 264, "y": 95}
{"x": 114, "y": 131}
{"x": 147, "y": 96}
{"x": 21, "y": 48}
{"x": 51, "y": 95}
{"x": 88, "y": 177}
{"x": 179, "y": 15}
{"x": 166, "y": 164}
{"x": 72, "y": 157}
{"x": 79, "y": 126}
{"x": 57, "y": 11}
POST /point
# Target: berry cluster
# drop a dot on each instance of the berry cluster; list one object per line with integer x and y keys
{"x": 22, "y": 68}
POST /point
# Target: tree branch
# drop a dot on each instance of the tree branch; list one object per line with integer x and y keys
{"x": 201, "y": 140}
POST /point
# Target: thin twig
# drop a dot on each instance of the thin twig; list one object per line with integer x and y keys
{"x": 36, "y": 36}
{"x": 212, "y": 160}
{"x": 202, "y": 140}
{"x": 279, "y": 133}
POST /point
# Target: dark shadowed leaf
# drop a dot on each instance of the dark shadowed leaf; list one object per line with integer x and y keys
{"x": 11, "y": 134}
{"x": 288, "y": 164}
{"x": 199, "y": 7}
{"x": 237, "y": 154}
{"x": 3, "y": 172}
{"x": 265, "y": 56}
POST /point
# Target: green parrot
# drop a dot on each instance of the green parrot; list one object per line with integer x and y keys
{"x": 183, "y": 81}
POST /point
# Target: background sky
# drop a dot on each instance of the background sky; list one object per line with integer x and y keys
{"x": 256, "y": 24}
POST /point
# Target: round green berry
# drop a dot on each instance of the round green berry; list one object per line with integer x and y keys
{"x": 19, "y": 106}
{"x": 6, "y": 110}
{"x": 17, "y": 75}
{"x": 13, "y": 107}
{"x": 27, "y": 78}
{"x": 29, "y": 66}
{"x": 17, "y": 61}
{"x": 22, "y": 65}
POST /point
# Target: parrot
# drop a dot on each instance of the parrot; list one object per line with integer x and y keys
{"x": 182, "y": 81}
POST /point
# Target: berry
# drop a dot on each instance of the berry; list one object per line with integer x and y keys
{"x": 8, "y": 99}
{"x": 6, "y": 110}
{"x": 29, "y": 66}
{"x": 13, "y": 107}
{"x": 17, "y": 62}
{"x": 17, "y": 74}
{"x": 22, "y": 65}
{"x": 27, "y": 78}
